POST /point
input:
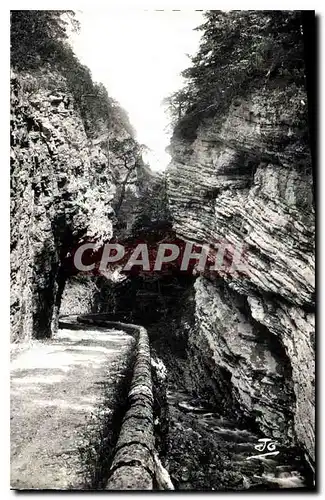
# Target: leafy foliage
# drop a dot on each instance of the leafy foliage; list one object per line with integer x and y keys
{"x": 37, "y": 36}
{"x": 128, "y": 153}
{"x": 176, "y": 105}
{"x": 153, "y": 215}
{"x": 39, "y": 40}
{"x": 142, "y": 207}
{"x": 239, "y": 50}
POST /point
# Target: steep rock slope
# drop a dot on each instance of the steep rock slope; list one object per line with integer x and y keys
{"x": 62, "y": 192}
{"x": 246, "y": 178}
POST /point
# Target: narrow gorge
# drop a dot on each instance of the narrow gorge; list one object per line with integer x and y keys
{"x": 232, "y": 353}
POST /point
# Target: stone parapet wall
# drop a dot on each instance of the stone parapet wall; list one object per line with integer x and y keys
{"x": 133, "y": 465}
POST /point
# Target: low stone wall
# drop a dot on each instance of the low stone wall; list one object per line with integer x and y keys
{"x": 133, "y": 466}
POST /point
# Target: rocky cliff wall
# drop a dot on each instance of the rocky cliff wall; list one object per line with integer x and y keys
{"x": 246, "y": 178}
{"x": 79, "y": 296}
{"x": 61, "y": 193}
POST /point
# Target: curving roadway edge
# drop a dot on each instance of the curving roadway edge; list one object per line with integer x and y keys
{"x": 133, "y": 465}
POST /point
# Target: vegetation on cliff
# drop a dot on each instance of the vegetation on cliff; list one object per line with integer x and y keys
{"x": 77, "y": 171}
{"x": 241, "y": 171}
{"x": 40, "y": 42}
{"x": 239, "y": 51}
{"x": 62, "y": 164}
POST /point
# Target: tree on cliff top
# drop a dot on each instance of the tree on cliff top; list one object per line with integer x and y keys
{"x": 37, "y": 35}
{"x": 39, "y": 39}
{"x": 176, "y": 105}
{"x": 239, "y": 50}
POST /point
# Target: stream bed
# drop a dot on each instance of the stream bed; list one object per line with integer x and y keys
{"x": 209, "y": 452}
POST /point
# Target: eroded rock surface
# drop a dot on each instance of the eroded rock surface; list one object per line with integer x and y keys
{"x": 246, "y": 179}
{"x": 63, "y": 183}
{"x": 56, "y": 198}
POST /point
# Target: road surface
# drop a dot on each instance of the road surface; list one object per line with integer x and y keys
{"x": 61, "y": 390}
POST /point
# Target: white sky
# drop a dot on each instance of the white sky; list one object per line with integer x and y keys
{"x": 138, "y": 55}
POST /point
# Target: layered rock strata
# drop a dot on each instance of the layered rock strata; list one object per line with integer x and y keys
{"x": 246, "y": 178}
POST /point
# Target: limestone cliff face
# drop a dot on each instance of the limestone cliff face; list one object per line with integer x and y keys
{"x": 61, "y": 193}
{"x": 247, "y": 178}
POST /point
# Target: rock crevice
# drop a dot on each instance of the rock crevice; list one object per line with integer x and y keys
{"x": 247, "y": 179}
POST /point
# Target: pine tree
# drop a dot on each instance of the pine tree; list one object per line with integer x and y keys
{"x": 239, "y": 50}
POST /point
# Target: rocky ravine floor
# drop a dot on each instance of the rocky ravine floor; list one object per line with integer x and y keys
{"x": 63, "y": 393}
{"x": 209, "y": 452}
